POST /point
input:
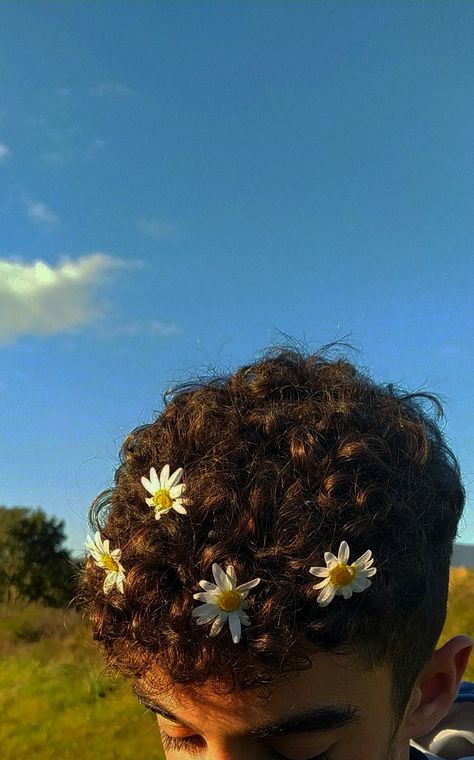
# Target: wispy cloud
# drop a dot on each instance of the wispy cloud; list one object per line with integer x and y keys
{"x": 4, "y": 151}
{"x": 94, "y": 147}
{"x": 149, "y": 327}
{"x": 450, "y": 350}
{"x": 68, "y": 155}
{"x": 41, "y": 214}
{"x": 65, "y": 144}
{"x": 114, "y": 89}
{"x": 40, "y": 299}
{"x": 157, "y": 229}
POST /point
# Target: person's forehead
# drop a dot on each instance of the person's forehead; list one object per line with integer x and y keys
{"x": 332, "y": 681}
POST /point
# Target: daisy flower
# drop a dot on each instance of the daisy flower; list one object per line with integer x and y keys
{"x": 166, "y": 491}
{"x": 108, "y": 560}
{"x": 341, "y": 578}
{"x": 224, "y": 601}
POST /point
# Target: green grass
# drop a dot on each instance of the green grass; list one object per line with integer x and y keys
{"x": 460, "y": 617}
{"x": 56, "y": 703}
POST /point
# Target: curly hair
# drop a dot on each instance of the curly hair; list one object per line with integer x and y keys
{"x": 283, "y": 459}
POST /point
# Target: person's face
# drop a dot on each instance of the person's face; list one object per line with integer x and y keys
{"x": 219, "y": 727}
{"x": 215, "y": 727}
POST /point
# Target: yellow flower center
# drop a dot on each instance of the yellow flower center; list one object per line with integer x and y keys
{"x": 163, "y": 499}
{"x": 342, "y": 575}
{"x": 109, "y": 563}
{"x": 229, "y": 601}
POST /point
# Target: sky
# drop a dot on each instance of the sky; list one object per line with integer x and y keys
{"x": 184, "y": 183}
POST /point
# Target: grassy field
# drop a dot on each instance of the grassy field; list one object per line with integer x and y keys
{"x": 54, "y": 702}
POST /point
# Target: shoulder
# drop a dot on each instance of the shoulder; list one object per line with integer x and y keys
{"x": 465, "y": 692}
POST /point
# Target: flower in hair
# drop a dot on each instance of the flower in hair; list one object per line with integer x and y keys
{"x": 166, "y": 491}
{"x": 224, "y": 601}
{"x": 341, "y": 578}
{"x": 108, "y": 560}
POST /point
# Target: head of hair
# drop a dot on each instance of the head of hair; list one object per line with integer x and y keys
{"x": 283, "y": 459}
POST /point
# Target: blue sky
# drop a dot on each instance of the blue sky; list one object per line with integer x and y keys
{"x": 182, "y": 180}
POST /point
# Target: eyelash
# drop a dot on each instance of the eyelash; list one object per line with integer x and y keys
{"x": 189, "y": 742}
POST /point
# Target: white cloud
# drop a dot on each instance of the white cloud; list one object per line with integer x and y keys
{"x": 41, "y": 214}
{"x": 157, "y": 229}
{"x": 113, "y": 88}
{"x": 4, "y": 151}
{"x": 40, "y": 299}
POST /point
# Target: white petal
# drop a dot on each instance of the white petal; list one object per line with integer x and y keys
{"x": 245, "y": 587}
{"x": 330, "y": 559}
{"x": 99, "y": 543}
{"x": 206, "y": 613}
{"x": 109, "y": 582}
{"x": 206, "y": 596}
{"x": 119, "y": 582}
{"x": 367, "y": 584}
{"x": 359, "y": 584}
{"x": 368, "y": 573}
{"x": 327, "y": 595}
{"x": 106, "y": 546}
{"x": 231, "y": 574}
{"x": 176, "y": 491}
{"x": 323, "y": 583}
{"x": 150, "y": 502}
{"x": 154, "y": 479}
{"x": 347, "y": 591}
{"x": 320, "y": 571}
{"x": 95, "y": 552}
{"x": 244, "y": 618}
{"x": 89, "y": 542}
{"x": 221, "y": 578}
{"x": 363, "y": 559}
{"x": 179, "y": 508}
{"x": 116, "y": 554}
{"x": 343, "y": 555}
{"x": 158, "y": 514}
{"x": 146, "y": 484}
{"x": 235, "y": 628}
{"x": 216, "y": 627}
{"x": 174, "y": 478}
{"x": 164, "y": 475}
{"x": 208, "y": 586}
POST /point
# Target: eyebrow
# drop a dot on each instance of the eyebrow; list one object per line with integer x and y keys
{"x": 320, "y": 718}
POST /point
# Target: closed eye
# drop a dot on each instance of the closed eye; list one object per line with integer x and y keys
{"x": 192, "y": 745}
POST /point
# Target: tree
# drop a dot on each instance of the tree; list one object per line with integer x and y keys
{"x": 33, "y": 564}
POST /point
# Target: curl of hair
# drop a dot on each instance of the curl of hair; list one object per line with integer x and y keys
{"x": 282, "y": 459}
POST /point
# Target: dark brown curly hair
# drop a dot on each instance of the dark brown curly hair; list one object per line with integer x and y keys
{"x": 283, "y": 459}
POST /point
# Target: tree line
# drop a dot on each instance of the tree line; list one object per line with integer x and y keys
{"x": 34, "y": 565}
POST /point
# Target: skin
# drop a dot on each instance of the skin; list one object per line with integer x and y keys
{"x": 221, "y": 723}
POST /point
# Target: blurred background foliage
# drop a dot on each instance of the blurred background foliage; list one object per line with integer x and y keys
{"x": 55, "y": 700}
{"x": 33, "y": 564}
